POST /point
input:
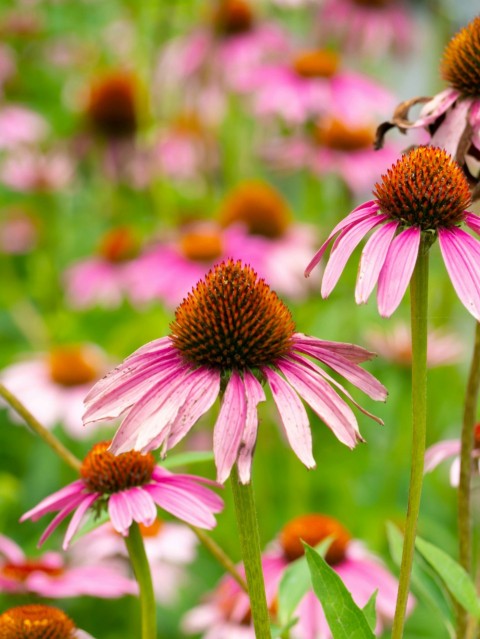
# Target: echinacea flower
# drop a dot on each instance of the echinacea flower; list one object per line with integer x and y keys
{"x": 229, "y": 332}
{"x": 53, "y": 385}
{"x": 448, "y": 448}
{"x": 54, "y": 575}
{"x": 362, "y": 573}
{"x": 131, "y": 487}
{"x": 38, "y": 621}
{"x": 424, "y": 194}
{"x": 452, "y": 117}
{"x": 32, "y": 172}
{"x": 19, "y": 125}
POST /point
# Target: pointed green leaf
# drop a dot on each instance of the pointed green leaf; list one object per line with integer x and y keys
{"x": 370, "y": 611}
{"x": 345, "y": 619}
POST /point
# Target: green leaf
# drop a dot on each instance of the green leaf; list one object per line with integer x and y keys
{"x": 455, "y": 577}
{"x": 91, "y": 522}
{"x": 282, "y": 631}
{"x": 370, "y": 611}
{"x": 185, "y": 459}
{"x": 345, "y": 619}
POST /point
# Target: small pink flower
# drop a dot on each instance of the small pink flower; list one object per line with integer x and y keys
{"x": 448, "y": 448}
{"x": 25, "y": 621}
{"x": 52, "y": 575}
{"x": 29, "y": 171}
{"x": 424, "y": 194}
{"x": 19, "y": 125}
{"x": 131, "y": 487}
{"x": 230, "y": 331}
{"x": 18, "y": 232}
{"x": 52, "y": 386}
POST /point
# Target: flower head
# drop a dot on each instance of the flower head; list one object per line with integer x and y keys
{"x": 424, "y": 194}
{"x": 460, "y": 65}
{"x": 230, "y": 332}
{"x": 37, "y": 621}
{"x": 111, "y": 108}
{"x": 130, "y": 486}
{"x": 439, "y": 452}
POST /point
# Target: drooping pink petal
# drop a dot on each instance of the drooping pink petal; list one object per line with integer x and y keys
{"x": 432, "y": 110}
{"x": 352, "y": 352}
{"x": 120, "y": 512}
{"x": 142, "y": 506}
{"x": 293, "y": 415}
{"x": 56, "y": 500}
{"x": 228, "y": 430}
{"x": 447, "y": 136}
{"x": 254, "y": 394}
{"x": 78, "y": 516}
{"x": 181, "y": 504}
{"x": 10, "y": 550}
{"x": 439, "y": 452}
{"x": 461, "y": 254}
{"x": 192, "y": 484}
{"x": 346, "y": 243}
{"x": 59, "y": 517}
{"x": 372, "y": 260}
{"x": 473, "y": 221}
{"x": 397, "y": 270}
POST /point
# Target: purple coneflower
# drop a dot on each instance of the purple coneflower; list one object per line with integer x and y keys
{"x": 130, "y": 486}
{"x": 230, "y": 332}
{"x": 425, "y": 192}
{"x": 37, "y": 621}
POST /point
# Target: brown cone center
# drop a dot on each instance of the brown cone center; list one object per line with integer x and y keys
{"x": 316, "y": 64}
{"x": 460, "y": 65}
{"x": 233, "y": 17}
{"x": 119, "y": 245}
{"x": 201, "y": 245}
{"x": 74, "y": 365}
{"x": 334, "y": 134}
{"x": 36, "y": 621}
{"x": 21, "y": 571}
{"x": 313, "y": 529}
{"x": 111, "y": 107}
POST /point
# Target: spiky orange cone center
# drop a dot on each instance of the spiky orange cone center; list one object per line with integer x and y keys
{"x": 36, "y": 621}
{"x": 313, "y": 529}
{"x": 460, "y": 65}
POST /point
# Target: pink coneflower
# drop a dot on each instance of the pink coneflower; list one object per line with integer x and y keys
{"x": 444, "y": 348}
{"x": 131, "y": 487}
{"x": 37, "y": 621}
{"x": 425, "y": 192}
{"x": 452, "y": 117}
{"x": 449, "y": 448}
{"x": 18, "y": 231}
{"x": 53, "y": 385}
{"x": 19, "y": 125}
{"x": 29, "y": 171}
{"x": 52, "y": 575}
{"x": 368, "y": 27}
{"x": 229, "y": 332}
{"x": 362, "y": 573}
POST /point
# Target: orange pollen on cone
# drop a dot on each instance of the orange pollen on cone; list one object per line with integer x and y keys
{"x": 119, "y": 245}
{"x": 111, "y": 107}
{"x": 201, "y": 245}
{"x": 257, "y": 205}
{"x": 316, "y": 64}
{"x": 460, "y": 65}
{"x": 425, "y": 188}
{"x": 106, "y": 473}
{"x": 233, "y": 17}
{"x": 20, "y": 572}
{"x": 74, "y": 365}
{"x": 232, "y": 320}
{"x": 336, "y": 135}
{"x": 189, "y": 124}
{"x": 36, "y": 621}
{"x": 313, "y": 529}
{"x": 153, "y": 529}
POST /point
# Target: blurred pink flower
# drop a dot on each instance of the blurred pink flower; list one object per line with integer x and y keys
{"x": 131, "y": 487}
{"x": 18, "y": 232}
{"x": 424, "y": 192}
{"x": 53, "y": 385}
{"x": 231, "y": 326}
{"x": 227, "y": 612}
{"x": 53, "y": 575}
{"x": 27, "y": 170}
{"x": 368, "y": 27}
{"x": 444, "y": 348}
{"x": 448, "y": 448}
{"x": 24, "y": 621}
{"x": 19, "y": 125}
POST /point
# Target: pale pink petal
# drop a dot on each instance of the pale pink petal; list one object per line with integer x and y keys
{"x": 449, "y": 132}
{"x": 10, "y": 550}
{"x": 228, "y": 430}
{"x": 142, "y": 506}
{"x": 55, "y": 501}
{"x": 120, "y": 512}
{"x": 78, "y": 516}
{"x": 191, "y": 484}
{"x": 439, "y": 452}
{"x": 59, "y": 517}
{"x": 397, "y": 270}
{"x": 352, "y": 352}
{"x": 254, "y": 394}
{"x": 461, "y": 254}
{"x": 437, "y": 106}
{"x": 181, "y": 504}
{"x": 455, "y": 472}
{"x": 372, "y": 260}
{"x": 293, "y": 415}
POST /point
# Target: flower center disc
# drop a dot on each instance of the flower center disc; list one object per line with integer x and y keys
{"x": 233, "y": 17}
{"x": 20, "y": 572}
{"x": 460, "y": 65}
{"x": 111, "y": 105}
{"x": 73, "y": 365}
{"x": 35, "y": 621}
{"x": 202, "y": 245}
{"x": 316, "y": 64}
{"x": 153, "y": 529}
{"x": 257, "y": 205}
{"x": 119, "y": 245}
{"x": 106, "y": 473}
{"x": 425, "y": 188}
{"x": 373, "y": 4}
{"x": 336, "y": 135}
{"x": 232, "y": 320}
{"x": 313, "y": 529}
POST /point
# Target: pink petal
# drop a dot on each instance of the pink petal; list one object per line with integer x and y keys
{"x": 437, "y": 106}
{"x": 397, "y": 270}
{"x": 254, "y": 394}
{"x": 120, "y": 512}
{"x": 142, "y": 506}
{"x": 181, "y": 504}
{"x": 191, "y": 484}
{"x": 372, "y": 260}
{"x": 461, "y": 254}
{"x": 10, "y": 550}
{"x": 352, "y": 352}
{"x": 56, "y": 521}
{"x": 439, "y": 452}
{"x": 448, "y": 134}
{"x": 473, "y": 221}
{"x": 293, "y": 415}
{"x": 55, "y": 501}
{"x": 78, "y": 516}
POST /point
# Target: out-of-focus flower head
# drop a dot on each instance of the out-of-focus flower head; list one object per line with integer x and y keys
{"x": 52, "y": 386}
{"x": 19, "y": 125}
{"x": 38, "y": 621}
{"x": 18, "y": 231}
{"x": 450, "y": 448}
{"x": 30, "y": 171}
{"x": 53, "y": 575}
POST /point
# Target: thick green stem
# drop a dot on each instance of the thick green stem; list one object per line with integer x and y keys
{"x": 48, "y": 437}
{"x": 419, "y": 304}
{"x": 141, "y": 567}
{"x": 251, "y": 554}
{"x": 464, "y": 488}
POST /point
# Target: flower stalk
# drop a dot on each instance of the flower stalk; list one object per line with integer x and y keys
{"x": 251, "y": 553}
{"x": 419, "y": 305}
{"x": 141, "y": 568}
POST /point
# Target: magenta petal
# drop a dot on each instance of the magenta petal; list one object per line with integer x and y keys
{"x": 293, "y": 415}
{"x": 228, "y": 430}
{"x": 181, "y": 504}
{"x": 59, "y": 517}
{"x": 142, "y": 506}
{"x": 78, "y": 516}
{"x": 473, "y": 221}
{"x": 55, "y": 501}
{"x": 352, "y": 352}
{"x": 372, "y": 260}
{"x": 461, "y": 254}
{"x": 120, "y": 512}
{"x": 397, "y": 270}
{"x": 254, "y": 394}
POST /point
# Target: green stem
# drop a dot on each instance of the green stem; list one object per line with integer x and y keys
{"x": 141, "y": 567}
{"x": 48, "y": 437}
{"x": 251, "y": 554}
{"x": 464, "y": 488}
{"x": 419, "y": 304}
